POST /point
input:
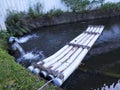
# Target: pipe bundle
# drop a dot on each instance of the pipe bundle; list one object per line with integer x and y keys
{"x": 60, "y": 65}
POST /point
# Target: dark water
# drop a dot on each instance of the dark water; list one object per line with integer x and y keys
{"x": 103, "y": 57}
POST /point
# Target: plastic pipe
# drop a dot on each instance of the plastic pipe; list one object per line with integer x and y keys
{"x": 67, "y": 72}
{"x": 68, "y": 56}
{"x": 36, "y": 71}
{"x": 64, "y": 53}
{"x": 76, "y": 54}
{"x": 63, "y": 49}
{"x": 30, "y": 68}
{"x": 50, "y": 76}
{"x": 71, "y": 53}
{"x": 43, "y": 74}
{"x": 55, "y": 65}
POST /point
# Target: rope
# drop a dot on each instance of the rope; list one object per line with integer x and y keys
{"x": 46, "y": 84}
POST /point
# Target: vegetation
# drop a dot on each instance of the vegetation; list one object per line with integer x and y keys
{"x": 12, "y": 75}
{"x": 54, "y": 12}
{"x": 14, "y": 27}
{"x": 77, "y": 5}
{"x": 83, "y": 5}
{"x": 110, "y": 6}
{"x": 35, "y": 12}
{"x": 3, "y": 39}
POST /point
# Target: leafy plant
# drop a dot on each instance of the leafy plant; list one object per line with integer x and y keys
{"x": 54, "y": 12}
{"x": 4, "y": 34}
{"x": 111, "y": 6}
{"x": 77, "y": 5}
{"x": 82, "y": 5}
{"x": 14, "y": 26}
{"x": 36, "y": 11}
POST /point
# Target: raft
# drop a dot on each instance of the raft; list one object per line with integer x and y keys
{"x": 63, "y": 63}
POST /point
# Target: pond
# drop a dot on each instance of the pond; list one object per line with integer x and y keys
{"x": 100, "y": 70}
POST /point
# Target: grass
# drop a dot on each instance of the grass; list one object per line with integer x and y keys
{"x": 15, "y": 77}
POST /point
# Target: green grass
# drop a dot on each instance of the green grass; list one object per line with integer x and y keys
{"x": 15, "y": 77}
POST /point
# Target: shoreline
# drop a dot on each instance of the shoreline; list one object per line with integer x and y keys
{"x": 67, "y": 17}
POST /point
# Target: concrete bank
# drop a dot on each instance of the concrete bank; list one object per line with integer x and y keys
{"x": 67, "y": 17}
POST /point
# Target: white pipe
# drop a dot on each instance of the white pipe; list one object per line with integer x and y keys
{"x": 50, "y": 76}
{"x": 62, "y": 49}
{"x": 60, "y": 56}
{"x": 77, "y": 39}
{"x": 71, "y": 41}
{"x": 71, "y": 53}
{"x": 66, "y": 53}
{"x": 43, "y": 74}
{"x": 17, "y": 46}
{"x": 67, "y": 72}
{"x": 31, "y": 68}
{"x": 36, "y": 71}
{"x": 68, "y": 56}
{"x": 76, "y": 54}
{"x": 47, "y": 64}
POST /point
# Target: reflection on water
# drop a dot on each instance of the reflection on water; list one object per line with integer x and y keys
{"x": 111, "y": 87}
{"x": 103, "y": 57}
{"x": 26, "y": 38}
{"x": 112, "y": 34}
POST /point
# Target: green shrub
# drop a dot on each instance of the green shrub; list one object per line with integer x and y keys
{"x": 77, "y": 5}
{"x": 4, "y": 34}
{"x": 14, "y": 26}
{"x": 36, "y": 11}
{"x": 110, "y": 6}
{"x": 54, "y": 12}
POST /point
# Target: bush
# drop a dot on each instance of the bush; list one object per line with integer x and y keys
{"x": 77, "y": 5}
{"x": 13, "y": 24}
{"x": 54, "y": 12}
{"x": 110, "y": 6}
{"x": 4, "y": 34}
{"x": 15, "y": 27}
{"x": 36, "y": 11}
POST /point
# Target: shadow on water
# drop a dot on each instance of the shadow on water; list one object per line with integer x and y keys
{"x": 104, "y": 55}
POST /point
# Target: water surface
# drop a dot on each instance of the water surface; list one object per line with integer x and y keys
{"x": 103, "y": 57}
